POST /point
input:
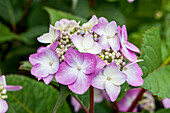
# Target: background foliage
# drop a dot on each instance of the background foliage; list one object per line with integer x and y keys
{"x": 22, "y": 21}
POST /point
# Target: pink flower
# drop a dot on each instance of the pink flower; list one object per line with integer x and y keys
{"x": 86, "y": 44}
{"x": 107, "y": 32}
{"x": 125, "y": 103}
{"x": 110, "y": 79}
{"x": 126, "y": 47}
{"x": 134, "y": 73}
{"x": 45, "y": 63}
{"x": 3, "y": 90}
{"x": 93, "y": 21}
{"x": 166, "y": 103}
{"x": 130, "y": 1}
{"x": 76, "y": 71}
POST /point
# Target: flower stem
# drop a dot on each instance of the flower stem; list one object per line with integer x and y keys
{"x": 91, "y": 99}
{"x": 135, "y": 102}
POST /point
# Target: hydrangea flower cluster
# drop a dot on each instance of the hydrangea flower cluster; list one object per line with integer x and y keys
{"x": 93, "y": 53}
{"x": 3, "y": 90}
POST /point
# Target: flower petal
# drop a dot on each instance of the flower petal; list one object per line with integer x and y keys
{"x": 93, "y": 21}
{"x": 124, "y": 33}
{"x": 99, "y": 80}
{"x": 81, "y": 85}
{"x": 112, "y": 90}
{"x": 39, "y": 71}
{"x": 75, "y": 104}
{"x": 103, "y": 20}
{"x": 132, "y": 47}
{"x": 111, "y": 29}
{"x": 131, "y": 56}
{"x": 95, "y": 49}
{"x": 89, "y": 64}
{"x": 99, "y": 28}
{"x": 88, "y": 41}
{"x": 78, "y": 42}
{"x": 45, "y": 38}
{"x": 13, "y": 88}
{"x": 3, "y": 106}
{"x": 48, "y": 79}
{"x": 66, "y": 74}
{"x": 114, "y": 43}
{"x": 134, "y": 73}
{"x": 3, "y": 80}
{"x": 104, "y": 42}
{"x": 166, "y": 103}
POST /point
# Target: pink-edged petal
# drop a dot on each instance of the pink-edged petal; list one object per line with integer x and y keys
{"x": 59, "y": 26}
{"x": 114, "y": 43}
{"x": 48, "y": 79}
{"x": 93, "y": 21}
{"x": 54, "y": 45}
{"x": 113, "y": 71}
{"x": 99, "y": 80}
{"x": 3, "y": 80}
{"x": 3, "y": 106}
{"x": 66, "y": 74}
{"x": 41, "y": 49}
{"x": 39, "y": 71}
{"x": 103, "y": 41}
{"x": 45, "y": 38}
{"x": 111, "y": 28}
{"x": 78, "y": 42}
{"x": 13, "y": 88}
{"x": 135, "y": 80}
{"x": 89, "y": 64}
{"x": 112, "y": 90}
{"x": 103, "y": 20}
{"x": 35, "y": 58}
{"x": 88, "y": 41}
{"x": 100, "y": 64}
{"x": 95, "y": 49}
{"x": 99, "y": 28}
{"x": 132, "y": 47}
{"x": 124, "y": 33}
{"x": 81, "y": 85}
{"x": 166, "y": 103}
{"x": 74, "y": 58}
{"x": 75, "y": 104}
{"x": 131, "y": 56}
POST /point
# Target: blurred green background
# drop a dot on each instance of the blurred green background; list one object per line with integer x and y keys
{"x": 22, "y": 21}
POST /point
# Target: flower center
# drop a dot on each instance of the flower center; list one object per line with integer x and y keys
{"x": 85, "y": 49}
{"x": 108, "y": 78}
{"x": 108, "y": 37}
{"x": 125, "y": 68}
{"x": 78, "y": 68}
{"x": 50, "y": 63}
{"x": 124, "y": 42}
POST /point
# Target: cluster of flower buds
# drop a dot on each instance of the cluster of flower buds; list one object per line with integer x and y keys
{"x": 3, "y": 90}
{"x": 93, "y": 53}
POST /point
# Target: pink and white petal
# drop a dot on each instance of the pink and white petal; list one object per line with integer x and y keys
{"x": 99, "y": 80}
{"x": 99, "y": 28}
{"x": 81, "y": 85}
{"x": 103, "y": 20}
{"x": 100, "y": 64}
{"x": 48, "y": 79}
{"x": 135, "y": 80}
{"x": 66, "y": 75}
{"x": 74, "y": 58}
{"x": 39, "y": 71}
{"x": 131, "y": 56}
{"x": 3, "y": 106}
{"x": 132, "y": 47}
{"x": 45, "y": 38}
{"x": 78, "y": 42}
{"x": 93, "y": 21}
{"x": 114, "y": 43}
{"x": 88, "y": 41}
{"x": 89, "y": 64}
{"x": 111, "y": 29}
{"x": 112, "y": 90}
{"x": 3, "y": 80}
{"x": 166, "y": 103}
{"x": 54, "y": 45}
{"x": 59, "y": 26}
{"x": 34, "y": 58}
{"x": 75, "y": 104}
{"x": 65, "y": 21}
{"x": 124, "y": 33}
{"x": 95, "y": 49}
{"x": 103, "y": 41}
{"x": 111, "y": 69}
{"x": 13, "y": 88}
{"x": 41, "y": 49}
{"x": 72, "y": 24}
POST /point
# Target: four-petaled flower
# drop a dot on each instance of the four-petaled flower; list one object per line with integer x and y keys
{"x": 110, "y": 79}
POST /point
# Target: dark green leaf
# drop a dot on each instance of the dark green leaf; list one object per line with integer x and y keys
{"x": 25, "y": 65}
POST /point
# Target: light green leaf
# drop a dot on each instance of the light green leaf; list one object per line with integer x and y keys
{"x": 151, "y": 51}
{"x": 163, "y": 111}
{"x": 158, "y": 82}
{"x": 56, "y": 15}
{"x": 35, "y": 97}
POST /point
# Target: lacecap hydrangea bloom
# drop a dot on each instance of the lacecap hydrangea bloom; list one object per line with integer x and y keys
{"x": 93, "y": 53}
{"x": 3, "y": 90}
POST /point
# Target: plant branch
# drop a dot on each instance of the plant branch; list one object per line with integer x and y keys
{"x": 91, "y": 99}
{"x": 135, "y": 102}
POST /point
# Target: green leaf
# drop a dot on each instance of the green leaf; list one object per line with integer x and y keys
{"x": 56, "y": 15}
{"x": 151, "y": 52}
{"x": 64, "y": 92}
{"x": 25, "y": 65}
{"x": 35, "y": 97}
{"x": 158, "y": 82}
{"x": 163, "y": 111}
